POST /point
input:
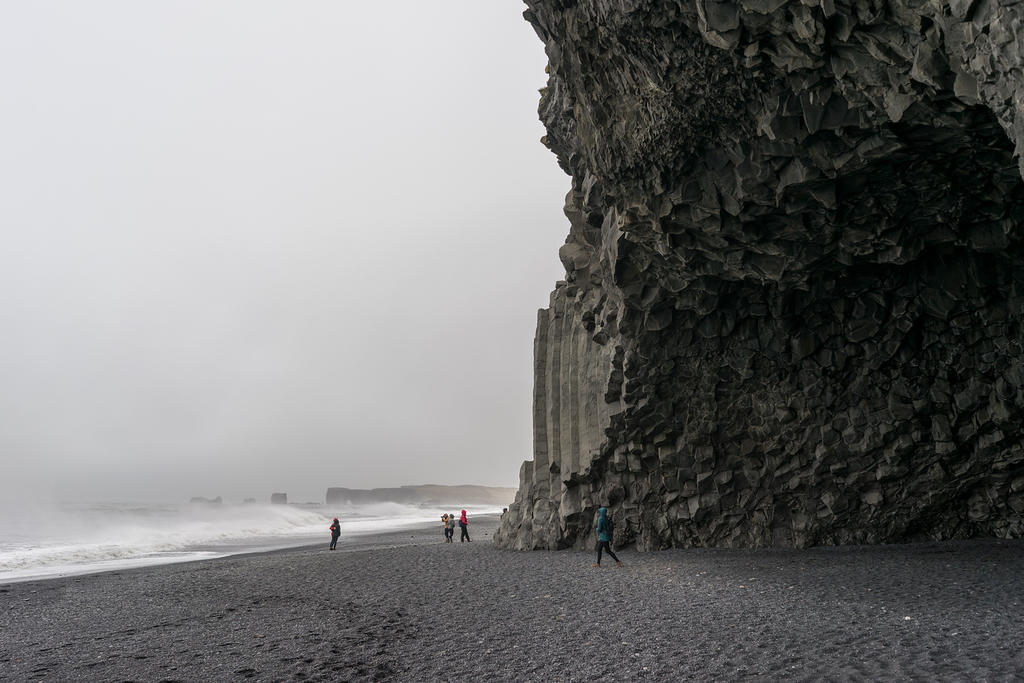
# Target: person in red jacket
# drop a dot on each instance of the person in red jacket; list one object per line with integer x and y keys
{"x": 464, "y": 523}
{"x": 335, "y": 533}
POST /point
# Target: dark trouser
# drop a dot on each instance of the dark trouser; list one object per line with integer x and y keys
{"x": 334, "y": 541}
{"x": 605, "y": 545}
{"x": 465, "y": 534}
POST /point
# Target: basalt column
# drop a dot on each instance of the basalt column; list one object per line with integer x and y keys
{"x": 794, "y": 294}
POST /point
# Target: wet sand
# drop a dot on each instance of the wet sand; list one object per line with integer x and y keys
{"x": 405, "y": 606}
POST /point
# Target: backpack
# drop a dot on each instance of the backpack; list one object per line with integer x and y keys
{"x": 609, "y": 527}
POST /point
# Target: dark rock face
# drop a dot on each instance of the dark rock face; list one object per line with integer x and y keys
{"x": 794, "y": 274}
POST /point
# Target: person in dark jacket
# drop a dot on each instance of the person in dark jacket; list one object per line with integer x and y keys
{"x": 464, "y": 523}
{"x": 335, "y": 533}
{"x": 604, "y": 538}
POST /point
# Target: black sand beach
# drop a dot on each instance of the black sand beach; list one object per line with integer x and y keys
{"x": 405, "y": 606}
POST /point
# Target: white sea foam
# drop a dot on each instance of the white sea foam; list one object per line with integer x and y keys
{"x": 62, "y": 540}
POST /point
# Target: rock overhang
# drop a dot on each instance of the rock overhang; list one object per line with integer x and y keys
{"x": 792, "y": 307}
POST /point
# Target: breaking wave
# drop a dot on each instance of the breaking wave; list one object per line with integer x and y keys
{"x": 60, "y": 540}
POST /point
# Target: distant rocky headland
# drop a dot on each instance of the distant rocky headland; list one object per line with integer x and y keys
{"x": 426, "y": 494}
{"x": 794, "y": 293}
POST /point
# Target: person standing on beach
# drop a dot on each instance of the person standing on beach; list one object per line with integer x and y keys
{"x": 604, "y": 537}
{"x": 450, "y": 534}
{"x": 444, "y": 526}
{"x": 464, "y": 523}
{"x": 335, "y": 533}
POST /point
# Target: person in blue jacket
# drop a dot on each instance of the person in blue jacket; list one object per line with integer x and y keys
{"x": 604, "y": 537}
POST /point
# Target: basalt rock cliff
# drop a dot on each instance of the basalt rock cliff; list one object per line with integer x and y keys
{"x": 794, "y": 274}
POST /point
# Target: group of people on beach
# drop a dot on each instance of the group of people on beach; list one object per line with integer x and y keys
{"x": 448, "y": 527}
{"x": 604, "y": 533}
{"x": 447, "y": 524}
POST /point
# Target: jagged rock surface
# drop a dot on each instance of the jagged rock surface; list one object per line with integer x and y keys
{"x": 794, "y": 276}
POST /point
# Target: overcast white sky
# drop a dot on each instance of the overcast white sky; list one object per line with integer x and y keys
{"x": 252, "y": 246}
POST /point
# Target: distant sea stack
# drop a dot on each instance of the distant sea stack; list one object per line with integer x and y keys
{"x": 794, "y": 284}
{"x": 426, "y": 494}
{"x": 279, "y": 498}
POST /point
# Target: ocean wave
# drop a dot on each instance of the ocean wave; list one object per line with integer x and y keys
{"x": 69, "y": 539}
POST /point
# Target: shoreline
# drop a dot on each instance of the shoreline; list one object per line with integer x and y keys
{"x": 405, "y": 606}
{"x": 214, "y": 552}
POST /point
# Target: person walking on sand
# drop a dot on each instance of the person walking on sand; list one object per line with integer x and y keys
{"x": 464, "y": 523}
{"x": 444, "y": 526}
{"x": 335, "y": 533}
{"x": 604, "y": 537}
{"x": 450, "y": 534}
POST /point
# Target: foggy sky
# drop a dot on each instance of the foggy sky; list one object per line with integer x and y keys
{"x": 255, "y": 246}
